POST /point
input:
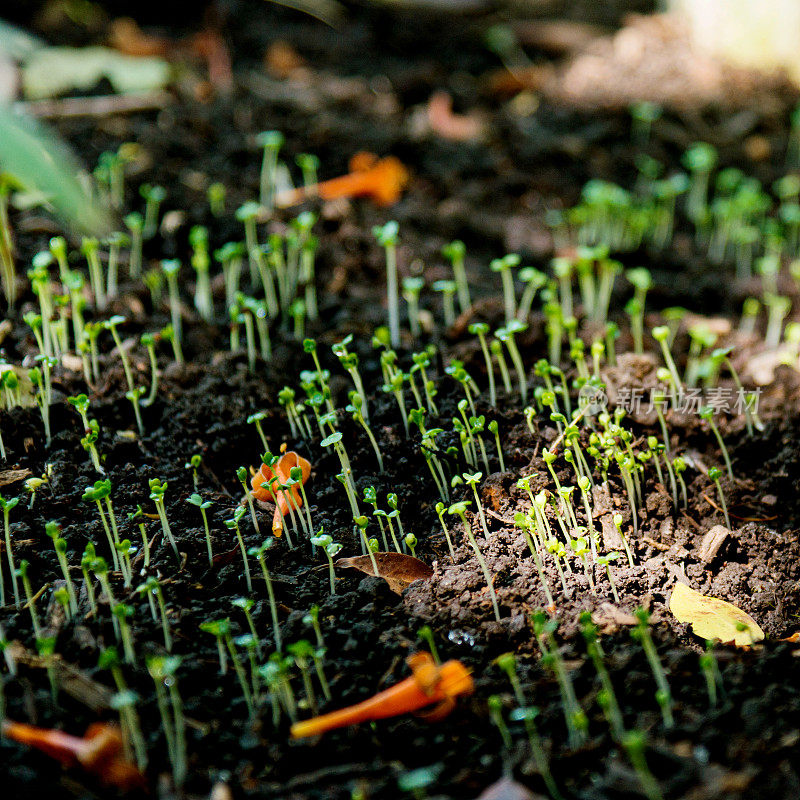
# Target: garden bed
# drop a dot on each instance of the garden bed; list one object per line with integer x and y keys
{"x": 366, "y": 88}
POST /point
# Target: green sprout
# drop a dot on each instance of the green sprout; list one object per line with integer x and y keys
{"x": 711, "y": 674}
{"x": 7, "y": 506}
{"x": 158, "y": 489}
{"x": 663, "y": 695}
{"x": 634, "y": 744}
{"x": 271, "y": 143}
{"x": 173, "y": 722}
{"x": 256, "y": 419}
{"x": 99, "y": 492}
{"x": 576, "y": 719}
{"x": 495, "y": 705}
{"x": 715, "y": 474}
{"x": 215, "y": 194}
{"x": 194, "y": 463}
{"x": 460, "y": 510}
{"x": 707, "y": 413}
{"x": 53, "y": 531}
{"x": 260, "y": 553}
{"x": 196, "y": 500}
{"x": 507, "y": 662}
{"x": 152, "y": 588}
{"x": 331, "y": 549}
{"x": 134, "y": 222}
{"x": 233, "y": 525}
{"x": 606, "y": 697}
{"x": 241, "y": 474}
{"x": 148, "y": 340}
{"x": 171, "y": 268}
{"x": 153, "y": 196}
{"x": 387, "y": 238}
{"x": 454, "y": 253}
{"x": 448, "y": 291}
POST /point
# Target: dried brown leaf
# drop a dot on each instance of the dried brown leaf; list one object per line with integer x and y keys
{"x": 9, "y": 476}
{"x": 397, "y": 569}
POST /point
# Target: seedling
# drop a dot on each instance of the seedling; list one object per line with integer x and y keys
{"x": 495, "y": 705}
{"x": 215, "y": 194}
{"x": 196, "y": 500}
{"x": 194, "y": 463}
{"x": 158, "y": 489}
{"x": 606, "y": 697}
{"x": 260, "y": 553}
{"x": 634, "y": 744}
{"x": 448, "y": 290}
{"x": 387, "y": 238}
{"x": 454, "y": 253}
{"x": 133, "y": 394}
{"x": 711, "y": 674}
{"x": 527, "y": 714}
{"x": 606, "y": 561}
{"x": 152, "y": 588}
{"x": 707, "y": 413}
{"x": 171, "y": 268}
{"x": 303, "y": 653}
{"x": 715, "y": 474}
{"x": 506, "y": 335}
{"x": 256, "y": 419}
{"x": 7, "y": 506}
{"x": 504, "y": 267}
{"x": 134, "y": 222}
{"x": 480, "y": 329}
{"x": 233, "y": 525}
{"x": 663, "y": 695}
{"x": 460, "y": 510}
{"x": 53, "y": 530}
{"x": 356, "y": 404}
{"x": 412, "y": 286}
{"x": 137, "y": 517}
{"x": 576, "y": 719}
{"x": 241, "y": 474}
{"x": 163, "y": 672}
{"x": 90, "y": 248}
{"x": 331, "y": 549}
{"x": 271, "y": 143}
{"x": 101, "y": 491}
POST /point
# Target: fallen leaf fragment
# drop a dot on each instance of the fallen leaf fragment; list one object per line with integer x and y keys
{"x": 712, "y": 618}
{"x": 447, "y": 124}
{"x": 9, "y": 476}
{"x": 397, "y": 569}
{"x": 261, "y": 483}
{"x": 429, "y": 684}
{"x": 381, "y": 180}
{"x": 100, "y": 752}
{"x": 507, "y": 789}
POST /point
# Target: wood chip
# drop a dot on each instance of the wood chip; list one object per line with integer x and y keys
{"x": 712, "y": 542}
{"x": 9, "y": 476}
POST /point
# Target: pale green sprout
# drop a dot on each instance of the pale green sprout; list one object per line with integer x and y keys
{"x": 196, "y": 500}
{"x": 331, "y": 549}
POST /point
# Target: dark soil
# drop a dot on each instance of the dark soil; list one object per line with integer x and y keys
{"x": 370, "y": 77}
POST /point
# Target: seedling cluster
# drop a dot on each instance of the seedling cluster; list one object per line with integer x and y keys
{"x": 576, "y": 510}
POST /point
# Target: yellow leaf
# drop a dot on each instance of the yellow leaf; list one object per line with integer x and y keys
{"x": 712, "y": 618}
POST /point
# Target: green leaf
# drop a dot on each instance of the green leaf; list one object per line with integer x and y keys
{"x": 39, "y": 162}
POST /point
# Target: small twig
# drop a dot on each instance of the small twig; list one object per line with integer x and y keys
{"x": 99, "y": 106}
